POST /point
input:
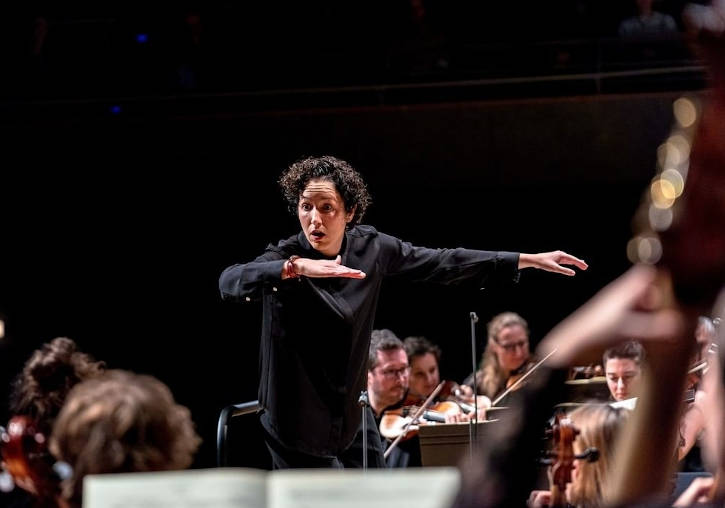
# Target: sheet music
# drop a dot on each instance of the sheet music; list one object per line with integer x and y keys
{"x": 382, "y": 488}
{"x": 202, "y": 488}
{"x": 250, "y": 488}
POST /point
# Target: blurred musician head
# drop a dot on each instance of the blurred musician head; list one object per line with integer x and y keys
{"x": 121, "y": 422}
{"x": 424, "y": 358}
{"x": 705, "y": 335}
{"x": 598, "y": 426}
{"x": 623, "y": 369}
{"x": 507, "y": 351}
{"x": 49, "y": 374}
{"x": 387, "y": 370}
{"x": 37, "y": 395}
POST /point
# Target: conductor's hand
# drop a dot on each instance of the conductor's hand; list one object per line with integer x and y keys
{"x": 551, "y": 262}
{"x": 325, "y": 268}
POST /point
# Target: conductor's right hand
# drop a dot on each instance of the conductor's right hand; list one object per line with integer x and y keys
{"x": 322, "y": 268}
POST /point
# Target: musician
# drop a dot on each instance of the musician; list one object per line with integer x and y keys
{"x": 40, "y": 389}
{"x": 39, "y": 392}
{"x": 506, "y": 355}
{"x": 623, "y": 369}
{"x": 321, "y": 287}
{"x": 692, "y": 423}
{"x": 388, "y": 372}
{"x": 598, "y": 426}
{"x": 424, "y": 358}
{"x": 117, "y": 423}
{"x": 388, "y": 378}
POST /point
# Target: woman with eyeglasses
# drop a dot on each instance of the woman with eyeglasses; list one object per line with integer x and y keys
{"x": 506, "y": 357}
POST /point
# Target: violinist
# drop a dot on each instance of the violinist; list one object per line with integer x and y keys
{"x": 388, "y": 390}
{"x": 705, "y": 335}
{"x": 598, "y": 427}
{"x": 120, "y": 422}
{"x": 388, "y": 372}
{"x": 38, "y": 393}
{"x": 692, "y": 424}
{"x": 424, "y": 358}
{"x": 506, "y": 357}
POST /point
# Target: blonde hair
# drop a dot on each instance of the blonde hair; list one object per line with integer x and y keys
{"x": 490, "y": 377}
{"x": 598, "y": 427}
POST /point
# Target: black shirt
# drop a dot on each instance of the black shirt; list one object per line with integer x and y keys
{"x": 316, "y": 331}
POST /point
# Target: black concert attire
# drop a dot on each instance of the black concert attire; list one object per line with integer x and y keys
{"x": 407, "y": 451}
{"x": 316, "y": 331}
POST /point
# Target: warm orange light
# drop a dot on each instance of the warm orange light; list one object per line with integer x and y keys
{"x": 685, "y": 111}
{"x": 663, "y": 193}
{"x": 676, "y": 179}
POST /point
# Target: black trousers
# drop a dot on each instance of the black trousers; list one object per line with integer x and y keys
{"x": 352, "y": 457}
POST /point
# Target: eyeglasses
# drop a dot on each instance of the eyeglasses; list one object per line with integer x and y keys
{"x": 395, "y": 373}
{"x": 510, "y": 348}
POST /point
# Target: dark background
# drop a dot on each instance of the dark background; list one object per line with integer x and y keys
{"x": 141, "y": 147}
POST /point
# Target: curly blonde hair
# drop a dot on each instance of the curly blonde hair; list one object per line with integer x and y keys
{"x": 121, "y": 422}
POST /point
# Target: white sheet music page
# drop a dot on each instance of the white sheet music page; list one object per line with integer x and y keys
{"x": 196, "y": 488}
{"x": 382, "y": 488}
{"x": 251, "y": 488}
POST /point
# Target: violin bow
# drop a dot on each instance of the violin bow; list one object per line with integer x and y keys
{"x": 521, "y": 379}
{"x": 417, "y": 415}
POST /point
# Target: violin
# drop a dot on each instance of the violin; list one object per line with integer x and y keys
{"x": 26, "y": 458}
{"x": 454, "y": 393}
{"x": 402, "y": 422}
{"x": 561, "y": 458}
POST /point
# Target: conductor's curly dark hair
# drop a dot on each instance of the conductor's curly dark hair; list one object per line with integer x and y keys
{"x": 348, "y": 183}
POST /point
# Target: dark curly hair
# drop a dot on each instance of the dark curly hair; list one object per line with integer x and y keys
{"x": 420, "y": 346}
{"x": 121, "y": 422}
{"x": 39, "y": 391}
{"x": 348, "y": 183}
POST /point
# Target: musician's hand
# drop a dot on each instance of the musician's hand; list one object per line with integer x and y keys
{"x": 627, "y": 309}
{"x": 551, "y": 262}
{"x": 317, "y": 268}
{"x": 456, "y": 418}
{"x": 465, "y": 392}
{"x": 539, "y": 499}
{"x": 697, "y": 492}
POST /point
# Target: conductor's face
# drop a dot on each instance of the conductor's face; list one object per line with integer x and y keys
{"x": 322, "y": 215}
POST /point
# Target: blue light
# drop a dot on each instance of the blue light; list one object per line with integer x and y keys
{"x": 142, "y": 38}
{"x": 115, "y": 109}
